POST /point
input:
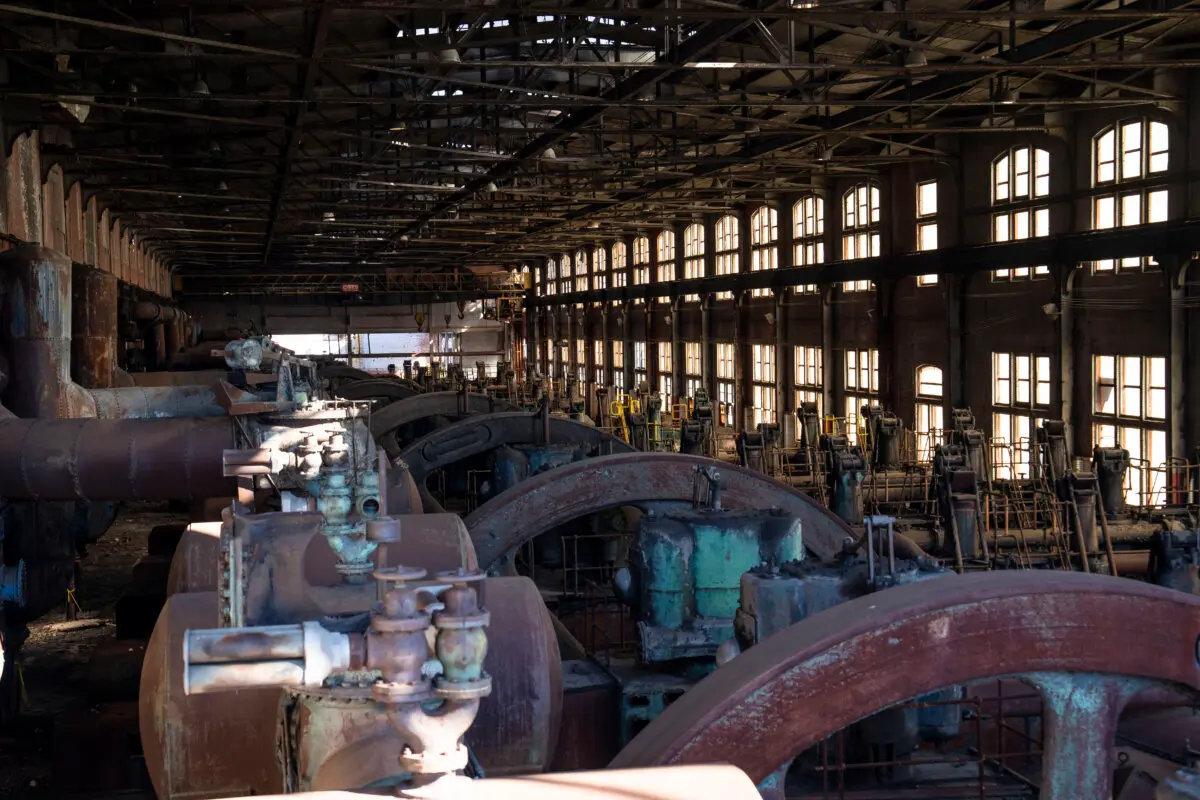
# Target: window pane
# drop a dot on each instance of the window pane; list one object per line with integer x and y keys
{"x": 1000, "y": 231}
{"x": 1041, "y": 222}
{"x": 1131, "y": 209}
{"x": 1104, "y": 214}
{"x": 1000, "y": 180}
{"x": 927, "y": 198}
{"x": 1156, "y": 203}
{"x": 1021, "y": 225}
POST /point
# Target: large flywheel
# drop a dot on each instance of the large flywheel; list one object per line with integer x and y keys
{"x": 1085, "y": 643}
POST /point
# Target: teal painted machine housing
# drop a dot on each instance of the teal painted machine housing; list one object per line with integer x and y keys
{"x": 688, "y": 567}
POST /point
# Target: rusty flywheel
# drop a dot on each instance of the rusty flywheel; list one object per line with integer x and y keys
{"x": 572, "y": 491}
{"x": 1086, "y": 643}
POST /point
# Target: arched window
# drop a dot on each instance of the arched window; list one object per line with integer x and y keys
{"x": 551, "y": 276}
{"x": 564, "y": 274}
{"x": 693, "y": 255}
{"x": 641, "y": 262}
{"x": 619, "y": 266}
{"x": 860, "y": 228}
{"x": 808, "y": 233}
{"x": 929, "y": 410}
{"x": 581, "y": 271}
{"x": 1125, "y": 158}
{"x": 1020, "y": 182}
{"x": 728, "y": 241}
{"x": 764, "y": 236}
{"x": 600, "y": 267}
{"x": 666, "y": 256}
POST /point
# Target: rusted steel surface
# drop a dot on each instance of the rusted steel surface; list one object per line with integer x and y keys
{"x": 205, "y": 377}
{"x": 222, "y": 646}
{"x": 225, "y": 744}
{"x": 93, "y": 327}
{"x": 239, "y": 403}
{"x": 202, "y": 745}
{"x": 374, "y": 389}
{"x": 111, "y": 459}
{"x": 516, "y": 729}
{"x": 798, "y": 687}
{"x": 545, "y": 501}
{"x": 157, "y": 402}
{"x": 388, "y": 420}
{"x": 477, "y": 435}
{"x": 36, "y": 316}
{"x": 707, "y": 782}
{"x": 342, "y": 372}
{"x": 435, "y": 542}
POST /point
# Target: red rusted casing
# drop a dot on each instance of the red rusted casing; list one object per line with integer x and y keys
{"x": 93, "y": 327}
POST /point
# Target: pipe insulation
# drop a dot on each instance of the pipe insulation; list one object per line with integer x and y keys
{"x": 114, "y": 459}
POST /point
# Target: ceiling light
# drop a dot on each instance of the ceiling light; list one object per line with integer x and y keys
{"x": 200, "y": 88}
{"x": 222, "y": 187}
{"x": 328, "y": 216}
{"x": 491, "y": 187}
{"x": 548, "y": 154}
{"x": 1007, "y": 96}
{"x": 915, "y": 58}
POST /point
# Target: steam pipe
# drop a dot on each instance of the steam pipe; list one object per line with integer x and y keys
{"x": 114, "y": 459}
{"x": 37, "y": 321}
{"x": 155, "y": 313}
{"x": 163, "y": 402}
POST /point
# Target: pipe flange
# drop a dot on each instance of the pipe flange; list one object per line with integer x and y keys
{"x": 463, "y": 690}
{"x": 434, "y": 763}
{"x": 355, "y": 573}
{"x": 461, "y": 575}
{"x": 400, "y": 574}
{"x": 444, "y": 621}
{"x": 398, "y": 693}
{"x": 382, "y": 623}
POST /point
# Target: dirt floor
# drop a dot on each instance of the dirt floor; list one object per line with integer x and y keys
{"x": 38, "y": 756}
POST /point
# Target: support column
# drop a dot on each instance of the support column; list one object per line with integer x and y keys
{"x": 1175, "y": 268}
{"x": 785, "y": 372}
{"x": 954, "y": 287}
{"x": 833, "y": 395}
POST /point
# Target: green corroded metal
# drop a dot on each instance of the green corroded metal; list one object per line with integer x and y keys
{"x": 690, "y": 565}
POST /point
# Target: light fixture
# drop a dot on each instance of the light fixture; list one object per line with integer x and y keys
{"x": 548, "y": 154}
{"x": 491, "y": 187}
{"x": 1007, "y": 96}
{"x": 222, "y": 187}
{"x": 328, "y": 216}
{"x": 200, "y": 88}
{"x": 916, "y": 58}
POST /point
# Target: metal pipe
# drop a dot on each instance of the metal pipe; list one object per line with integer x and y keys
{"x": 224, "y": 645}
{"x": 164, "y": 402}
{"x": 113, "y": 459}
{"x": 146, "y": 311}
{"x": 37, "y": 321}
{"x": 93, "y": 327}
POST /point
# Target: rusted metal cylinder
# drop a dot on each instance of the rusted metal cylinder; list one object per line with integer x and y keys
{"x": 113, "y": 459}
{"x": 37, "y": 323}
{"x": 174, "y": 334}
{"x": 165, "y": 402}
{"x": 147, "y": 311}
{"x": 93, "y": 327}
{"x": 159, "y": 339}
